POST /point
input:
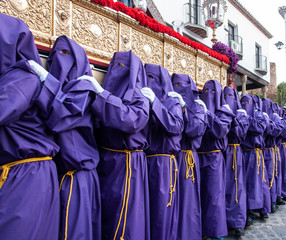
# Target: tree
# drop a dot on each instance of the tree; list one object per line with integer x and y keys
{"x": 281, "y": 94}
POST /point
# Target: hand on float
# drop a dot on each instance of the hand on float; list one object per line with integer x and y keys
{"x": 98, "y": 89}
{"x": 39, "y": 70}
{"x": 202, "y": 104}
{"x": 177, "y": 95}
{"x": 148, "y": 93}
{"x": 242, "y": 111}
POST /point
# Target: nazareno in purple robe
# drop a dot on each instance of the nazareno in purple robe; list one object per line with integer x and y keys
{"x": 124, "y": 113}
{"x": 212, "y": 161}
{"x": 235, "y": 195}
{"x": 190, "y": 222}
{"x": 165, "y": 127}
{"x": 252, "y": 154}
{"x": 66, "y": 106}
{"x": 29, "y": 198}
{"x": 278, "y": 142}
{"x": 274, "y": 129}
{"x": 282, "y": 149}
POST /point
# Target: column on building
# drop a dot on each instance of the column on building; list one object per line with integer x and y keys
{"x": 243, "y": 80}
{"x": 264, "y": 90}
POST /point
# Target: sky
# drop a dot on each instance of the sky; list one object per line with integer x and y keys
{"x": 266, "y": 12}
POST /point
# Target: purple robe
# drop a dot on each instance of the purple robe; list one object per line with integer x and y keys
{"x": 274, "y": 129}
{"x": 65, "y": 103}
{"x": 235, "y": 176}
{"x": 29, "y": 198}
{"x": 252, "y": 153}
{"x": 282, "y": 149}
{"x": 190, "y": 222}
{"x": 124, "y": 113}
{"x": 212, "y": 161}
{"x": 165, "y": 127}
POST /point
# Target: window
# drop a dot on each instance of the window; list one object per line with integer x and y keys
{"x": 257, "y": 55}
{"x": 230, "y": 32}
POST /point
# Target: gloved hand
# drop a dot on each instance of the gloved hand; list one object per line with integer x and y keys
{"x": 39, "y": 70}
{"x": 276, "y": 115}
{"x": 148, "y": 93}
{"x": 98, "y": 89}
{"x": 177, "y": 95}
{"x": 242, "y": 111}
{"x": 202, "y": 104}
{"x": 227, "y": 106}
{"x": 266, "y": 115}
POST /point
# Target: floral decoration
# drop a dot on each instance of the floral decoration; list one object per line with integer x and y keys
{"x": 151, "y": 23}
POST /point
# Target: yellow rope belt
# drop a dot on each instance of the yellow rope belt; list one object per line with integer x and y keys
{"x": 126, "y": 188}
{"x": 277, "y": 158}
{"x": 69, "y": 173}
{"x": 190, "y": 163}
{"x": 257, "y": 157}
{"x": 234, "y": 167}
{"x": 6, "y": 167}
{"x": 172, "y": 187}
{"x": 209, "y": 152}
{"x": 274, "y": 160}
{"x": 263, "y": 164}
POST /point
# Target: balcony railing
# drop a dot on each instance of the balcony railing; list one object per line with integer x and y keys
{"x": 194, "y": 20}
{"x": 236, "y": 43}
{"x": 261, "y": 64}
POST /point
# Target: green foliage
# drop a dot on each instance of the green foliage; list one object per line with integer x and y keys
{"x": 281, "y": 88}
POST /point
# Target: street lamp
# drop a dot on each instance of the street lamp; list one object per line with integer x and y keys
{"x": 140, "y": 5}
{"x": 279, "y": 45}
{"x": 213, "y": 12}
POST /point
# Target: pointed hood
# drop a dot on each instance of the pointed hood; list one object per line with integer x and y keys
{"x": 68, "y": 60}
{"x": 231, "y": 98}
{"x": 125, "y": 74}
{"x": 248, "y": 104}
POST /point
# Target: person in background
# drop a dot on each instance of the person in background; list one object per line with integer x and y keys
{"x": 65, "y": 102}
{"x": 235, "y": 176}
{"x": 282, "y": 149}
{"x": 123, "y": 113}
{"x": 273, "y": 130}
{"x": 219, "y": 118}
{"x": 29, "y": 189}
{"x": 165, "y": 127}
{"x": 190, "y": 222}
{"x": 253, "y": 157}
{"x": 278, "y": 175}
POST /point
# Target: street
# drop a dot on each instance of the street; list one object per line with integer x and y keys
{"x": 273, "y": 228}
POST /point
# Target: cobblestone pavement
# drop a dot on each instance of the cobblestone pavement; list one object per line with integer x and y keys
{"x": 273, "y": 228}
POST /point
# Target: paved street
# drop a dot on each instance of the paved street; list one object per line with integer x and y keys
{"x": 273, "y": 228}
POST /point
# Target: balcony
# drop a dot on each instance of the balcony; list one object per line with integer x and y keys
{"x": 236, "y": 43}
{"x": 194, "y": 19}
{"x": 261, "y": 64}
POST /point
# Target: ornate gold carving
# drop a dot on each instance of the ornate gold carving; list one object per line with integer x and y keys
{"x": 155, "y": 55}
{"x": 223, "y": 76}
{"x": 36, "y": 14}
{"x": 84, "y": 19}
{"x": 95, "y": 30}
{"x": 184, "y": 62}
{"x": 62, "y": 17}
{"x": 125, "y": 39}
{"x": 168, "y": 57}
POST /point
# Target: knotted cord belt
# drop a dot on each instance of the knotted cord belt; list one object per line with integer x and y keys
{"x": 263, "y": 164}
{"x": 214, "y": 151}
{"x": 190, "y": 163}
{"x": 69, "y": 173}
{"x": 277, "y": 158}
{"x": 172, "y": 187}
{"x": 257, "y": 157}
{"x": 274, "y": 163}
{"x": 234, "y": 167}
{"x": 6, "y": 167}
{"x": 126, "y": 188}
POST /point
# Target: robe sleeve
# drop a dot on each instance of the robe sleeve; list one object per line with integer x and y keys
{"x": 129, "y": 118}
{"x": 169, "y": 115}
{"x": 257, "y": 124}
{"x": 218, "y": 124}
{"x": 276, "y": 127}
{"x": 17, "y": 94}
{"x": 283, "y": 133}
{"x": 64, "y": 108}
{"x": 239, "y": 126}
{"x": 195, "y": 123}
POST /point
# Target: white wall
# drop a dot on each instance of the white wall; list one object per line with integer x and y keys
{"x": 172, "y": 10}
